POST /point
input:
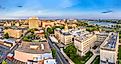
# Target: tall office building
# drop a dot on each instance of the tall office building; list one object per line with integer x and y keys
{"x": 109, "y": 49}
{"x": 84, "y": 42}
{"x": 33, "y": 22}
{"x": 63, "y": 35}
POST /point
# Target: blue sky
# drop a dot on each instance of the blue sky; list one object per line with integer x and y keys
{"x": 61, "y": 8}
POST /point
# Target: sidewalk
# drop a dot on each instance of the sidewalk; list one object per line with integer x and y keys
{"x": 91, "y": 59}
{"x": 69, "y": 60}
{"x": 119, "y": 43}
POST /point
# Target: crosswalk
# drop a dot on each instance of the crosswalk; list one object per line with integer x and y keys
{"x": 18, "y": 62}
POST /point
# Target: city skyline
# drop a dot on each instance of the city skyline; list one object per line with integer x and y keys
{"x": 61, "y": 8}
{"x": 60, "y": 41}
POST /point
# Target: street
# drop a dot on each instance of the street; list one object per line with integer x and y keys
{"x": 95, "y": 53}
{"x": 12, "y": 49}
{"x": 60, "y": 58}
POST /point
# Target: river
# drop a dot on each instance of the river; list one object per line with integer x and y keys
{"x": 106, "y": 24}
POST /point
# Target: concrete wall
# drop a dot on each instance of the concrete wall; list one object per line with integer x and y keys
{"x": 108, "y": 55}
{"x": 25, "y": 56}
{"x": 84, "y": 46}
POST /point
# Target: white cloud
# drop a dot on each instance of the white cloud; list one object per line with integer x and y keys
{"x": 27, "y": 12}
{"x": 24, "y": 13}
{"x": 66, "y": 3}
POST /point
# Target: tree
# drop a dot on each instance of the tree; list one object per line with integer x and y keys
{"x": 4, "y": 62}
{"x": 6, "y": 35}
{"x": 54, "y": 53}
{"x": 31, "y": 30}
{"x": 82, "y": 24}
{"x": 71, "y": 51}
{"x": 91, "y": 28}
{"x": 50, "y": 30}
{"x": 61, "y": 27}
{"x": 26, "y": 39}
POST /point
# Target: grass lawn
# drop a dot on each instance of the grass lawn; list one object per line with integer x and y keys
{"x": 77, "y": 59}
{"x": 93, "y": 28}
{"x": 96, "y": 60}
{"x": 119, "y": 61}
{"x": 85, "y": 58}
{"x": 119, "y": 37}
{"x": 35, "y": 40}
{"x": 119, "y": 55}
{"x": 71, "y": 53}
{"x": 120, "y": 40}
{"x": 54, "y": 53}
{"x": 82, "y": 60}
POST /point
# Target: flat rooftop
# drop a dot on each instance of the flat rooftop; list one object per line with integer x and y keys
{"x": 64, "y": 33}
{"x": 34, "y": 47}
{"x": 79, "y": 33}
{"x": 58, "y": 29}
{"x": 110, "y": 42}
{"x": 73, "y": 31}
{"x": 84, "y": 36}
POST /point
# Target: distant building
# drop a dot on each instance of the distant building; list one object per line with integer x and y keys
{"x": 101, "y": 36}
{"x": 72, "y": 25}
{"x": 63, "y": 35}
{"x": 66, "y": 35}
{"x": 24, "y": 26}
{"x": 8, "y": 24}
{"x": 84, "y": 42}
{"x": 66, "y": 38}
{"x": 33, "y": 22}
{"x": 47, "y": 24}
{"x": 109, "y": 49}
{"x": 13, "y": 32}
{"x": 59, "y": 22}
{"x": 17, "y": 24}
{"x": 57, "y": 33}
{"x": 7, "y": 42}
{"x": 40, "y": 33}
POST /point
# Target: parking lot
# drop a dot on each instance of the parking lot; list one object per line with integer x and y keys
{"x": 3, "y": 49}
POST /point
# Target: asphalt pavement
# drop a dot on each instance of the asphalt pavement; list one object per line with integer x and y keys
{"x": 12, "y": 49}
{"x": 60, "y": 58}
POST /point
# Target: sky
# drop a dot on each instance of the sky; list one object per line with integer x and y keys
{"x": 61, "y": 8}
